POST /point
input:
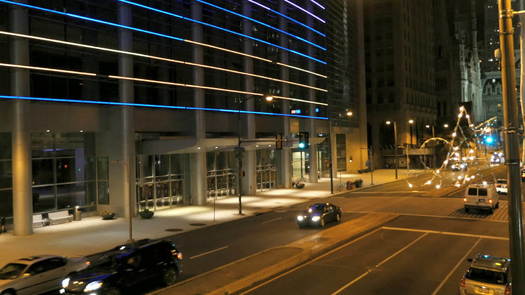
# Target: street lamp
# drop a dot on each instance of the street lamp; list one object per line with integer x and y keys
{"x": 445, "y": 125}
{"x": 411, "y": 122}
{"x": 395, "y": 143}
{"x": 239, "y": 150}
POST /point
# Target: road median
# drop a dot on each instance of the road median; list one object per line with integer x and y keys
{"x": 247, "y": 271}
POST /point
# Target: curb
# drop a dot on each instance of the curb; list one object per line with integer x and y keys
{"x": 308, "y": 248}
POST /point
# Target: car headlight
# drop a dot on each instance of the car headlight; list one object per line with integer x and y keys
{"x": 300, "y": 218}
{"x": 93, "y": 286}
{"x": 65, "y": 282}
{"x": 316, "y": 218}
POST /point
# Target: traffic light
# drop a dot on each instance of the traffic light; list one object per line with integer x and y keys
{"x": 304, "y": 140}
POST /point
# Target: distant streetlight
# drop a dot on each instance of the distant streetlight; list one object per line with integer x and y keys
{"x": 349, "y": 114}
{"x": 411, "y": 123}
{"x": 395, "y": 144}
{"x": 445, "y": 125}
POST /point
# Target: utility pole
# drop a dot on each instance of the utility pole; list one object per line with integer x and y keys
{"x": 512, "y": 157}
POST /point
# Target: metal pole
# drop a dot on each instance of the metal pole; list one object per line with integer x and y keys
{"x": 371, "y": 160}
{"x": 239, "y": 158}
{"x": 395, "y": 147}
{"x": 330, "y": 155}
{"x": 522, "y": 71}
{"x": 510, "y": 115}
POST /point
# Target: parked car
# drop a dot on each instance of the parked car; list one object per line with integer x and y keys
{"x": 120, "y": 269}
{"x": 481, "y": 196}
{"x": 501, "y": 186}
{"x": 319, "y": 214}
{"x": 38, "y": 274}
{"x": 487, "y": 275}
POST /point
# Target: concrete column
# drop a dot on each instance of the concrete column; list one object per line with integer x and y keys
{"x": 20, "y": 135}
{"x": 249, "y": 179}
{"x": 312, "y": 97}
{"x": 122, "y": 158}
{"x": 198, "y": 166}
{"x": 284, "y": 156}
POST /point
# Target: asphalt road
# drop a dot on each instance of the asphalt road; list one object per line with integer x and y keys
{"x": 409, "y": 255}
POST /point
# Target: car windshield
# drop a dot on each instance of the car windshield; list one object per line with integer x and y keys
{"x": 316, "y": 208}
{"x": 12, "y": 271}
{"x": 486, "y": 276}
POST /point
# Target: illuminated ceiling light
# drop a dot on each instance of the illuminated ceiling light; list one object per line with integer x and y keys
{"x": 300, "y": 69}
{"x": 315, "y": 2}
{"x": 388, "y": 122}
{"x": 111, "y": 103}
{"x": 445, "y": 125}
{"x": 216, "y": 147}
{"x": 410, "y": 185}
{"x": 198, "y": 147}
{"x": 410, "y": 121}
{"x": 150, "y": 32}
{"x": 255, "y": 21}
{"x": 171, "y": 60}
{"x": 47, "y": 131}
{"x": 305, "y": 11}
{"x": 427, "y": 126}
{"x": 159, "y": 82}
{"x": 287, "y": 17}
{"x": 81, "y": 131}
{"x": 438, "y": 186}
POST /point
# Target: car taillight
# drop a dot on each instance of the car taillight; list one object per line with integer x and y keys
{"x": 462, "y": 283}
{"x": 508, "y": 290}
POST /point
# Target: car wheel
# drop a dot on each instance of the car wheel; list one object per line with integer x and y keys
{"x": 170, "y": 275}
{"x": 321, "y": 222}
{"x": 467, "y": 210}
{"x": 338, "y": 217}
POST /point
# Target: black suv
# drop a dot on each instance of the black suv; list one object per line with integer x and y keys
{"x": 125, "y": 266}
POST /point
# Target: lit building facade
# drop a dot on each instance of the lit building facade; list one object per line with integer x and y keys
{"x": 124, "y": 105}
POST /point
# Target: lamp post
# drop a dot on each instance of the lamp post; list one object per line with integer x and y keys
{"x": 395, "y": 144}
{"x": 433, "y": 149}
{"x": 239, "y": 149}
{"x": 411, "y": 123}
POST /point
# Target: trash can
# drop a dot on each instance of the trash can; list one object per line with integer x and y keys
{"x": 77, "y": 214}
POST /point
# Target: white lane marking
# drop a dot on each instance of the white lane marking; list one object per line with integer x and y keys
{"x": 271, "y": 220}
{"x": 445, "y": 233}
{"x": 433, "y": 216}
{"x": 311, "y": 261}
{"x": 378, "y": 265}
{"x": 455, "y": 267}
{"x": 209, "y": 252}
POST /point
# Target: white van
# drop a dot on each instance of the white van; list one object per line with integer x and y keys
{"x": 481, "y": 196}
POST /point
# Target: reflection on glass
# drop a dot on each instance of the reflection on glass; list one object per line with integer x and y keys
{"x": 43, "y": 198}
{"x": 5, "y": 174}
{"x": 103, "y": 192}
{"x": 42, "y": 171}
{"x": 66, "y": 170}
{"x": 6, "y": 203}
{"x": 71, "y": 195}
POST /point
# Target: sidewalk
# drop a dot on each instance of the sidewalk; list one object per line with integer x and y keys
{"x": 93, "y": 234}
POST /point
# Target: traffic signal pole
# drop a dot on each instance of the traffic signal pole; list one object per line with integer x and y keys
{"x": 512, "y": 157}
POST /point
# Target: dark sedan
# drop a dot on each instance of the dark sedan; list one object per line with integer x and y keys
{"x": 319, "y": 214}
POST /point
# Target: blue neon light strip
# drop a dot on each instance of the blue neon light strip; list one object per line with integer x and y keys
{"x": 287, "y": 17}
{"x": 111, "y": 103}
{"x": 226, "y": 30}
{"x": 256, "y": 21}
{"x": 151, "y": 32}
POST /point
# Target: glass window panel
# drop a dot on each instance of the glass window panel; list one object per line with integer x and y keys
{"x": 162, "y": 165}
{"x": 65, "y": 168}
{"x": 71, "y": 195}
{"x": 103, "y": 192}
{"x": 5, "y": 174}
{"x": 5, "y": 145}
{"x": 6, "y": 203}
{"x": 43, "y": 198}
{"x": 102, "y": 169}
{"x": 42, "y": 145}
{"x": 43, "y": 171}
{"x": 91, "y": 193}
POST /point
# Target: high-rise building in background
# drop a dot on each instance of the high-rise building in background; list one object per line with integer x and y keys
{"x": 111, "y": 105}
{"x": 410, "y": 55}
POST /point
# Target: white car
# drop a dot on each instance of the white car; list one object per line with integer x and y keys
{"x": 37, "y": 274}
{"x": 501, "y": 186}
{"x": 481, "y": 196}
